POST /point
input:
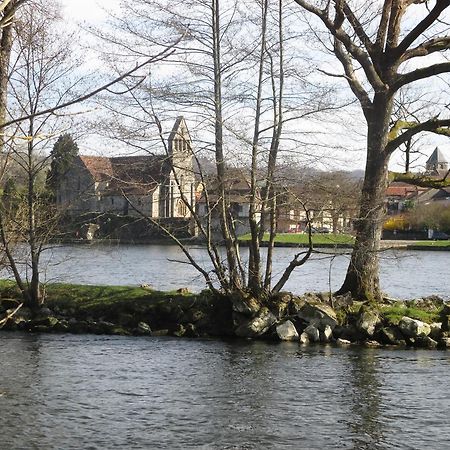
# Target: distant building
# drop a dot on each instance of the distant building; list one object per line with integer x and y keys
{"x": 437, "y": 164}
{"x": 151, "y": 184}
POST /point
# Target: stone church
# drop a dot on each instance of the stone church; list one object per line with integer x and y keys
{"x": 153, "y": 185}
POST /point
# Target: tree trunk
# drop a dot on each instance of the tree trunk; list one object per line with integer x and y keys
{"x": 362, "y": 279}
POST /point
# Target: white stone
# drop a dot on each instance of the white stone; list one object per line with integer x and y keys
{"x": 414, "y": 328}
{"x": 286, "y": 331}
{"x": 304, "y": 339}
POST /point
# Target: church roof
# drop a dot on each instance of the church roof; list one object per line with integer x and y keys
{"x": 129, "y": 174}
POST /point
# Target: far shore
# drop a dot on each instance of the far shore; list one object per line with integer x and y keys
{"x": 287, "y": 240}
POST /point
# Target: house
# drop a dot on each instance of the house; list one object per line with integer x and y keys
{"x": 159, "y": 186}
{"x": 400, "y": 196}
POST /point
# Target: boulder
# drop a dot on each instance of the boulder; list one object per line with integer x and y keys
{"x": 319, "y": 315}
{"x": 391, "y": 336}
{"x": 343, "y": 342}
{"x": 426, "y": 342}
{"x": 191, "y": 330}
{"x": 304, "y": 339}
{"x": 248, "y": 306}
{"x": 47, "y": 322}
{"x": 444, "y": 342}
{"x": 286, "y": 331}
{"x": 436, "y": 331}
{"x": 445, "y": 317}
{"x": 313, "y": 333}
{"x": 258, "y": 325}
{"x": 279, "y": 304}
{"x": 179, "y": 331}
{"x": 296, "y": 304}
{"x": 413, "y": 328}
{"x": 143, "y": 328}
{"x": 367, "y": 320}
{"x": 326, "y": 334}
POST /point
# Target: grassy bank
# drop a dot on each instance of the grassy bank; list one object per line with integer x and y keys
{"x": 303, "y": 239}
{"x": 345, "y": 240}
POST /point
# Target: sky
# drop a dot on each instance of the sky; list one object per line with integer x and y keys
{"x": 93, "y": 12}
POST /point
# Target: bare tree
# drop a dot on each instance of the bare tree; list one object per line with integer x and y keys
{"x": 383, "y": 49}
{"x": 241, "y": 86}
{"x": 40, "y": 71}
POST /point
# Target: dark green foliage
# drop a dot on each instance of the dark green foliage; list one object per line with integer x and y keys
{"x": 63, "y": 153}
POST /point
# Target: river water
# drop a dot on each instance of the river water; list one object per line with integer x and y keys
{"x": 403, "y": 274}
{"x": 94, "y": 392}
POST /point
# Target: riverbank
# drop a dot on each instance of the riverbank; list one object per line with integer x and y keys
{"x": 346, "y": 241}
{"x": 308, "y": 319}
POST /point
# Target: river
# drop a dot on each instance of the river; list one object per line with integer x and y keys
{"x": 404, "y": 274}
{"x": 93, "y": 392}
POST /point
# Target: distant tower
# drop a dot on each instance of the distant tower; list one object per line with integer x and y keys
{"x": 437, "y": 163}
{"x": 181, "y": 177}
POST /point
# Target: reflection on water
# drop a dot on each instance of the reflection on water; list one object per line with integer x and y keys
{"x": 403, "y": 274}
{"x": 72, "y": 392}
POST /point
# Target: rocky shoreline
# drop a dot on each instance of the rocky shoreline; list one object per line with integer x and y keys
{"x": 309, "y": 319}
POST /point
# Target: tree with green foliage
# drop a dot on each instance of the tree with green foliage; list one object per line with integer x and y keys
{"x": 62, "y": 156}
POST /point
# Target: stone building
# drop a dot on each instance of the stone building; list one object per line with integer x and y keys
{"x": 437, "y": 164}
{"x": 129, "y": 185}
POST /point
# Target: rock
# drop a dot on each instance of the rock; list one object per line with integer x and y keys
{"x": 444, "y": 342}
{"x": 427, "y": 342}
{"x": 160, "y": 332}
{"x": 313, "y": 333}
{"x": 371, "y": 344}
{"x": 304, "y": 339}
{"x": 436, "y": 331}
{"x": 391, "y": 336}
{"x": 319, "y": 315}
{"x": 191, "y": 331}
{"x": 248, "y": 306}
{"x": 413, "y": 328}
{"x": 194, "y": 315}
{"x": 342, "y": 342}
{"x": 368, "y": 319}
{"x": 326, "y": 334}
{"x": 342, "y": 301}
{"x": 179, "y": 331}
{"x": 258, "y": 325}
{"x": 44, "y": 311}
{"x": 445, "y": 317}
{"x": 144, "y": 329}
{"x": 279, "y": 304}
{"x": 296, "y": 304}
{"x": 48, "y": 322}
{"x": 286, "y": 331}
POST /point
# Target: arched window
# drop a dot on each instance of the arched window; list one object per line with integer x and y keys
{"x": 181, "y": 208}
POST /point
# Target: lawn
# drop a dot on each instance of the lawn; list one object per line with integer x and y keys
{"x": 302, "y": 239}
{"x": 438, "y": 244}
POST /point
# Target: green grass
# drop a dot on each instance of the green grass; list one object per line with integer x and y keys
{"x": 395, "y": 312}
{"x": 98, "y": 299}
{"x": 303, "y": 239}
{"x": 440, "y": 244}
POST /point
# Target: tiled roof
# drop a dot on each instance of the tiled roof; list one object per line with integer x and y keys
{"x": 129, "y": 174}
